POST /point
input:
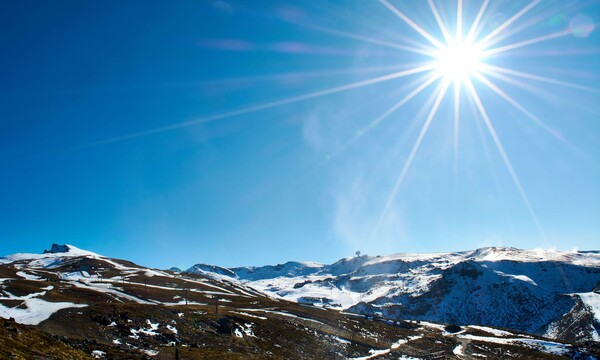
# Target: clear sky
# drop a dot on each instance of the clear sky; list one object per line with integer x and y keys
{"x": 248, "y": 133}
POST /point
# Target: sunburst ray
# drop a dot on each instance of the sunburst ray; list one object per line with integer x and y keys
{"x": 363, "y": 131}
{"x": 487, "y": 68}
{"x": 523, "y": 43}
{"x": 256, "y": 108}
{"x": 421, "y": 49}
{"x": 459, "y": 21}
{"x": 412, "y": 24}
{"x": 439, "y": 21}
{"x": 443, "y": 87}
{"x": 526, "y": 24}
{"x": 542, "y": 92}
{"x": 505, "y": 158}
{"x": 456, "y": 125}
{"x": 519, "y": 107}
{"x": 485, "y": 40}
{"x": 474, "y": 29}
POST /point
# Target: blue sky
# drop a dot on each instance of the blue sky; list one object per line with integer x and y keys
{"x": 137, "y": 130}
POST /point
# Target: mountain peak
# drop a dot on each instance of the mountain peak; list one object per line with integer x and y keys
{"x": 57, "y": 248}
{"x": 68, "y": 250}
{"x": 488, "y": 250}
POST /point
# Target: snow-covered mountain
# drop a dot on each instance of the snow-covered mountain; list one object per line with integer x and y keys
{"x": 69, "y": 303}
{"x": 39, "y": 283}
{"x": 546, "y": 292}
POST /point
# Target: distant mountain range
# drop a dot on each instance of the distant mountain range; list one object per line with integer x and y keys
{"x": 544, "y": 292}
{"x": 68, "y": 303}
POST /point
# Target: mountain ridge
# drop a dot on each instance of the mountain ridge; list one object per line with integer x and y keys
{"x": 512, "y": 282}
{"x": 73, "y": 303}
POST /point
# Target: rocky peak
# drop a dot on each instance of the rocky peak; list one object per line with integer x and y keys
{"x": 57, "y": 248}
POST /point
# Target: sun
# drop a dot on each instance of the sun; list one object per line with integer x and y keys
{"x": 458, "y": 60}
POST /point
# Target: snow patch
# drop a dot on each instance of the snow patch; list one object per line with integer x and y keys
{"x": 548, "y": 347}
{"x": 592, "y": 302}
{"x": 150, "y": 352}
{"x": 36, "y": 311}
{"x": 401, "y": 342}
{"x": 98, "y": 354}
{"x": 244, "y": 330}
{"x": 491, "y": 330}
{"x": 458, "y": 351}
{"x": 149, "y": 331}
{"x": 172, "y": 329}
{"x": 249, "y": 315}
{"x": 27, "y": 276}
{"x": 375, "y": 353}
